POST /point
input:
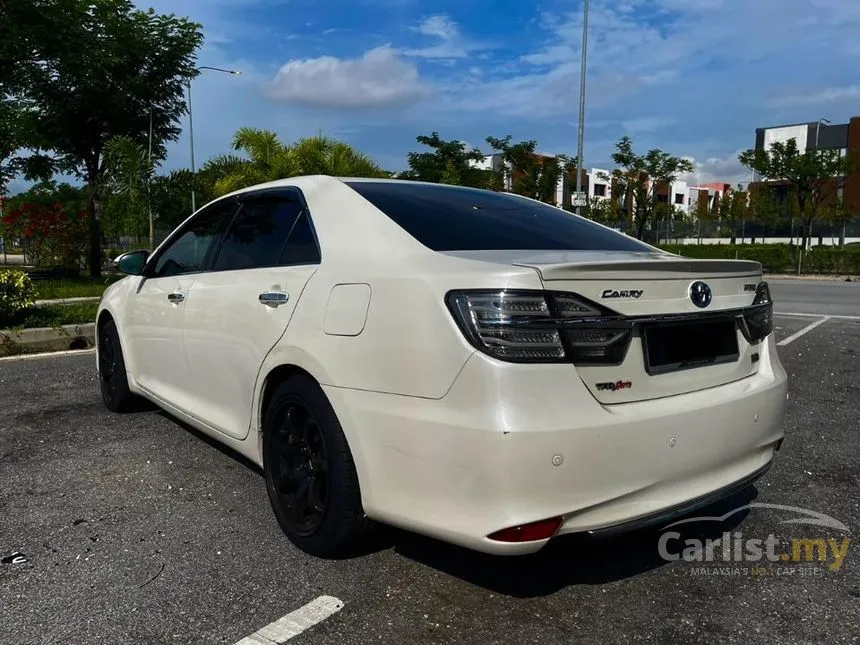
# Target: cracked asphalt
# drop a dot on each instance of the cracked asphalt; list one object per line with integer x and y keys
{"x": 137, "y": 529}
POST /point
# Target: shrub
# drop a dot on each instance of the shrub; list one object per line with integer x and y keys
{"x": 52, "y": 234}
{"x": 16, "y": 293}
{"x": 778, "y": 258}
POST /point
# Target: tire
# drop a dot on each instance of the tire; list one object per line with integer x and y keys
{"x": 112, "y": 377}
{"x": 310, "y": 474}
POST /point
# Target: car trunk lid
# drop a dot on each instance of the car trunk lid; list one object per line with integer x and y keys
{"x": 675, "y": 346}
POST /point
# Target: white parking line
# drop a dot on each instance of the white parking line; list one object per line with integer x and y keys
{"x": 805, "y": 330}
{"x": 30, "y": 357}
{"x": 800, "y": 315}
{"x": 295, "y": 622}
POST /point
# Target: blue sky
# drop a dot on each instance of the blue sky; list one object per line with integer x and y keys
{"x": 694, "y": 77}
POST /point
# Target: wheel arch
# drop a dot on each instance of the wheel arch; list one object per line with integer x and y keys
{"x": 278, "y": 374}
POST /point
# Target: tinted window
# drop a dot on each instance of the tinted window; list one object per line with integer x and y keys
{"x": 257, "y": 236}
{"x": 187, "y": 253}
{"x": 301, "y": 247}
{"x": 448, "y": 218}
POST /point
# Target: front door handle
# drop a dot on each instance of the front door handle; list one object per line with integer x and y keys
{"x": 176, "y": 297}
{"x": 274, "y": 298}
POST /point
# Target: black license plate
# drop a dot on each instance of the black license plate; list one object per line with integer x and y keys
{"x": 678, "y": 346}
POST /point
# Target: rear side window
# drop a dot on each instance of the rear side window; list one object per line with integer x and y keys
{"x": 452, "y": 218}
{"x": 258, "y": 235}
{"x": 301, "y": 247}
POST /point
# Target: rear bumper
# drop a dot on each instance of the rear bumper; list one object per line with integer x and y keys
{"x": 513, "y": 444}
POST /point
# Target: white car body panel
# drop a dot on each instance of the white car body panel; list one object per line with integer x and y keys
{"x": 446, "y": 440}
{"x": 227, "y": 315}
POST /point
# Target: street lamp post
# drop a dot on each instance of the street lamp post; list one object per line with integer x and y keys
{"x": 191, "y": 129}
{"x": 581, "y": 133}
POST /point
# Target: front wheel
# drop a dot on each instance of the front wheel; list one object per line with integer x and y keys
{"x": 310, "y": 474}
{"x": 112, "y": 377}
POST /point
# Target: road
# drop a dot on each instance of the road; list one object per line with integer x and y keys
{"x": 826, "y": 297}
{"x": 137, "y": 529}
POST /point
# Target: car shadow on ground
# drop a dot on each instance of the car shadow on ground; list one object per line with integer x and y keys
{"x": 569, "y": 560}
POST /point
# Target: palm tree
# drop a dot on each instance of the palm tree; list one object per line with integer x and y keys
{"x": 267, "y": 159}
{"x": 129, "y": 173}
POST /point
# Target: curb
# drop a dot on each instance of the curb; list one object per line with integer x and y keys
{"x": 45, "y": 339}
{"x": 67, "y": 301}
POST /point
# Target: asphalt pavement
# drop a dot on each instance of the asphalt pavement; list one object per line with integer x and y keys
{"x": 136, "y": 529}
{"x": 826, "y": 297}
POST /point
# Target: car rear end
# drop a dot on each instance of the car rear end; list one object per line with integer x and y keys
{"x": 627, "y": 385}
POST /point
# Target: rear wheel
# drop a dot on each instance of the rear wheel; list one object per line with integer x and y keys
{"x": 310, "y": 474}
{"x": 112, "y": 377}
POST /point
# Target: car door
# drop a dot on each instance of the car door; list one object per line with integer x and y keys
{"x": 239, "y": 309}
{"x": 155, "y": 312}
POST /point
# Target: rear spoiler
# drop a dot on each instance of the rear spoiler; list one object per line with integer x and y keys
{"x": 672, "y": 267}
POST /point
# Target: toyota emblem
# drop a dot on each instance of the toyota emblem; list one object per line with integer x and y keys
{"x": 700, "y": 294}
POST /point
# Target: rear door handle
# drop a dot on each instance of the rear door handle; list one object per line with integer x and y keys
{"x": 274, "y": 298}
{"x": 176, "y": 297}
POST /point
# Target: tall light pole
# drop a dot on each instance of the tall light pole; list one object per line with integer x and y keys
{"x": 581, "y": 134}
{"x": 191, "y": 129}
{"x": 149, "y": 185}
{"x": 818, "y": 130}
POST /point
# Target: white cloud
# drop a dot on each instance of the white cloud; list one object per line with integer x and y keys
{"x": 379, "y": 78}
{"x": 820, "y": 97}
{"x": 439, "y": 27}
{"x": 642, "y": 124}
{"x": 450, "y": 44}
{"x": 718, "y": 169}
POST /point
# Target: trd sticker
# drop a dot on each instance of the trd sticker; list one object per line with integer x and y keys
{"x": 627, "y": 293}
{"x": 617, "y": 385}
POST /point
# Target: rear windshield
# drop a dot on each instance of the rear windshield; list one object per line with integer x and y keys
{"x": 453, "y": 218}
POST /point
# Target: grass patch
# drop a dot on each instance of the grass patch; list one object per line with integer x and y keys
{"x": 52, "y": 316}
{"x": 81, "y": 287}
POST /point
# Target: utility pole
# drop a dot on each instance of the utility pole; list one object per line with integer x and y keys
{"x": 191, "y": 129}
{"x": 149, "y": 185}
{"x": 579, "y": 153}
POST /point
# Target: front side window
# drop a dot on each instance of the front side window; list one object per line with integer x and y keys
{"x": 453, "y": 218}
{"x": 257, "y": 236}
{"x": 187, "y": 252}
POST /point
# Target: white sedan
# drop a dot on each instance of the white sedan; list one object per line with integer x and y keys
{"x": 470, "y": 365}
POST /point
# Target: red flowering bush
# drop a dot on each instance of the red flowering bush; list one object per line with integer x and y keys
{"x": 51, "y": 234}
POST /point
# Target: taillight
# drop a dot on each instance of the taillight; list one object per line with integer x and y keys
{"x": 540, "y": 326}
{"x": 758, "y": 317}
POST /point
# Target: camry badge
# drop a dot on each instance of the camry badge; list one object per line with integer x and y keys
{"x": 627, "y": 293}
{"x": 700, "y": 294}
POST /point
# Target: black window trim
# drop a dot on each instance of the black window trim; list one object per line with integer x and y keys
{"x": 149, "y": 267}
{"x": 290, "y": 193}
{"x": 238, "y": 202}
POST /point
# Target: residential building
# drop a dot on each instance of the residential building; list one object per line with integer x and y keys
{"x": 821, "y": 135}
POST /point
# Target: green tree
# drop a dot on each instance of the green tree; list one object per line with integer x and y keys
{"x": 528, "y": 173}
{"x": 92, "y": 70}
{"x": 811, "y": 176}
{"x": 449, "y": 163}
{"x": 638, "y": 177}
{"x": 266, "y": 158}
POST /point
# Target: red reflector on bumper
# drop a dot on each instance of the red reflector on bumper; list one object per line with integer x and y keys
{"x": 541, "y": 530}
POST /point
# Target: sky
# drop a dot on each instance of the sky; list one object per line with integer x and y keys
{"x": 692, "y": 77}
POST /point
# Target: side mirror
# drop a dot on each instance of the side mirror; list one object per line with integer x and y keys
{"x": 132, "y": 263}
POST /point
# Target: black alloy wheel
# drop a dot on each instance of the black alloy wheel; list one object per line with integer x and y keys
{"x": 112, "y": 377}
{"x": 300, "y": 476}
{"x": 311, "y": 478}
